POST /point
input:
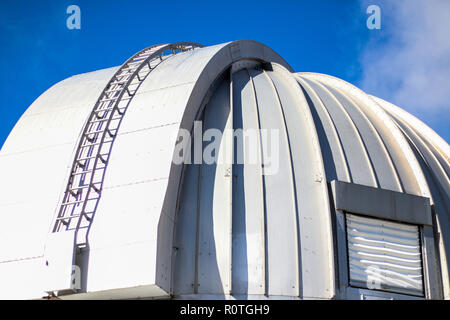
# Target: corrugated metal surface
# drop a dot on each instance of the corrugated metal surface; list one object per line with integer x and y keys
{"x": 384, "y": 255}
{"x": 278, "y": 235}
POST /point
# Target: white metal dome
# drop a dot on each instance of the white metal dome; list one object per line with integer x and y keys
{"x": 211, "y": 230}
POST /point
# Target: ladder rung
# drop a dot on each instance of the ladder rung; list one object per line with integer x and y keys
{"x": 130, "y": 68}
{"x": 141, "y": 56}
{"x": 94, "y": 132}
{"x": 121, "y": 81}
{"x": 114, "y": 90}
{"x": 87, "y": 158}
{"x": 76, "y": 216}
{"x": 108, "y": 99}
{"x": 86, "y": 186}
{"x": 69, "y": 217}
{"x": 93, "y": 157}
{"x": 135, "y": 63}
{"x": 99, "y": 120}
{"x": 78, "y": 201}
{"x": 106, "y": 119}
{"x": 126, "y": 74}
{"x": 71, "y": 203}
{"x": 139, "y": 60}
{"x": 78, "y": 188}
{"x": 99, "y": 131}
{"x": 109, "y": 109}
{"x": 94, "y": 144}
{"x": 118, "y": 82}
{"x": 82, "y": 172}
{"x": 90, "y": 145}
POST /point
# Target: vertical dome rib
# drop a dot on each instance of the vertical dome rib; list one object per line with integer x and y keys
{"x": 290, "y": 158}
{"x": 435, "y": 144}
{"x": 248, "y": 270}
{"x": 336, "y": 165}
{"x": 439, "y": 145}
{"x": 379, "y": 158}
{"x": 280, "y": 202}
{"x": 310, "y": 186}
{"x": 426, "y": 154}
{"x": 359, "y": 164}
{"x": 406, "y": 164}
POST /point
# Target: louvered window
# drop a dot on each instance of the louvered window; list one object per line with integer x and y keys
{"x": 384, "y": 255}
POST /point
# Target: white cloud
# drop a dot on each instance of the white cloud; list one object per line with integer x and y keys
{"x": 409, "y": 65}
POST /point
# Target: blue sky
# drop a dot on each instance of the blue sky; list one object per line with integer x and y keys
{"x": 37, "y": 50}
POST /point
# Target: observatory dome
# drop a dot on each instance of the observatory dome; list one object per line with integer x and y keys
{"x": 107, "y": 188}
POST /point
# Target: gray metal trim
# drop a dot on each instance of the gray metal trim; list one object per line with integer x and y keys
{"x": 381, "y": 203}
{"x": 433, "y": 289}
{"x": 341, "y": 237}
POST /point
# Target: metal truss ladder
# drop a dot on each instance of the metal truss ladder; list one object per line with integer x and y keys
{"x": 84, "y": 187}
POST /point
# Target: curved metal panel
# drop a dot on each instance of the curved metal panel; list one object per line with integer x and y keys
{"x": 411, "y": 176}
{"x": 380, "y": 161}
{"x": 359, "y": 166}
{"x": 248, "y": 269}
{"x": 315, "y": 232}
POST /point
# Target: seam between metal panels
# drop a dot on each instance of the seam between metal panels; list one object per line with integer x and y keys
{"x": 263, "y": 182}
{"x": 174, "y": 249}
{"x": 418, "y": 143}
{"x": 428, "y": 155}
{"x": 332, "y": 126}
{"x": 383, "y": 117}
{"x": 135, "y": 183}
{"x": 426, "y": 140}
{"x": 378, "y": 138}
{"x": 148, "y": 128}
{"x": 379, "y": 113}
{"x": 230, "y": 190}
{"x": 6, "y": 154}
{"x": 294, "y": 185}
{"x": 306, "y": 111}
{"x": 22, "y": 259}
{"x": 409, "y": 154}
{"x": 263, "y": 230}
{"x": 163, "y": 88}
{"x": 197, "y": 224}
{"x": 355, "y": 129}
{"x": 304, "y": 108}
{"x": 440, "y": 157}
{"x": 389, "y": 151}
{"x": 438, "y": 143}
{"x": 69, "y": 107}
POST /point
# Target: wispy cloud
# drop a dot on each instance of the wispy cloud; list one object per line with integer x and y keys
{"x": 408, "y": 63}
